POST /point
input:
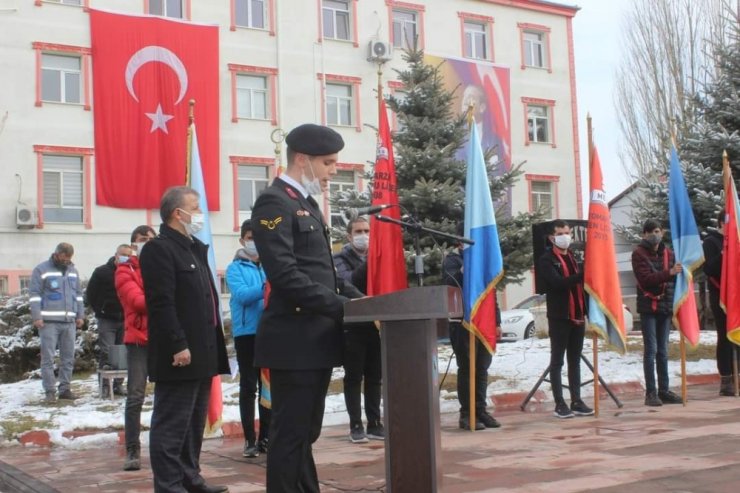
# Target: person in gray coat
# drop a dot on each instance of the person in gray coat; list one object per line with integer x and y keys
{"x": 57, "y": 310}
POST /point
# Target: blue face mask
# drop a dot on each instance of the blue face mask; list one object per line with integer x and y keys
{"x": 122, "y": 259}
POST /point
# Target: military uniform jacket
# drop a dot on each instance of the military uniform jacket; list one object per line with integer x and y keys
{"x": 301, "y": 327}
{"x": 179, "y": 293}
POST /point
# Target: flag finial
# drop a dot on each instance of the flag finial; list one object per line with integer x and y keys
{"x": 191, "y": 112}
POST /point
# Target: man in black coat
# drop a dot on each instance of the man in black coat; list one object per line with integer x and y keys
{"x": 713, "y": 245}
{"x": 300, "y": 334}
{"x": 186, "y": 343}
{"x": 102, "y": 297}
{"x": 562, "y": 279}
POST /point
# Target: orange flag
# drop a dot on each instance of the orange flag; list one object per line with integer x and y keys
{"x": 601, "y": 279}
{"x": 386, "y": 265}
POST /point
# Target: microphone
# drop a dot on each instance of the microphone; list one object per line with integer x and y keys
{"x": 351, "y": 214}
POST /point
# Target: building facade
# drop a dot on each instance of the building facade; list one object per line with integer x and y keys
{"x": 282, "y": 63}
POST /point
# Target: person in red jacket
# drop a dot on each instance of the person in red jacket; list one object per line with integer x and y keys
{"x": 130, "y": 289}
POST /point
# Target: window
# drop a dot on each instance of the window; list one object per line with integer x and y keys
{"x": 475, "y": 40}
{"x": 534, "y": 49}
{"x": 338, "y": 104}
{"x": 167, "y": 8}
{"x": 4, "y": 286}
{"x": 398, "y": 124}
{"x": 63, "y": 189}
{"x": 405, "y": 29}
{"x": 538, "y": 123}
{"x": 542, "y": 197}
{"x": 335, "y": 20}
{"x": 61, "y": 78}
{"x": 249, "y": 13}
{"x": 223, "y": 284}
{"x": 251, "y": 181}
{"x": 251, "y": 97}
{"x": 343, "y": 181}
{"x": 24, "y": 283}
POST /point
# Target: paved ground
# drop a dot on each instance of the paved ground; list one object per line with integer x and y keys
{"x": 634, "y": 449}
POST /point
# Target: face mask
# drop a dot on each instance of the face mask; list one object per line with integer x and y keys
{"x": 563, "y": 241}
{"x": 139, "y": 246}
{"x": 654, "y": 239}
{"x": 250, "y": 248}
{"x": 195, "y": 224}
{"x": 312, "y": 185}
{"x": 122, "y": 259}
{"x": 361, "y": 242}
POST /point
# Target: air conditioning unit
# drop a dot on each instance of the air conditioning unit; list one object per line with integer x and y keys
{"x": 378, "y": 51}
{"x": 26, "y": 217}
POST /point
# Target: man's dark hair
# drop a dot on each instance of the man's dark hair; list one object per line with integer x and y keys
{"x": 721, "y": 218}
{"x": 65, "y": 249}
{"x": 142, "y": 230}
{"x": 172, "y": 199}
{"x": 246, "y": 226}
{"x": 650, "y": 225}
{"x": 352, "y": 222}
{"x": 557, "y": 223}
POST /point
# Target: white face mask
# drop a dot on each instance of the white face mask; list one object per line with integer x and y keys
{"x": 562, "y": 241}
{"x": 196, "y": 222}
{"x": 361, "y": 242}
{"x": 138, "y": 247}
{"x": 312, "y": 185}
{"x": 250, "y": 248}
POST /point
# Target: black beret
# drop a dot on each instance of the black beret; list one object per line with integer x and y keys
{"x": 314, "y": 140}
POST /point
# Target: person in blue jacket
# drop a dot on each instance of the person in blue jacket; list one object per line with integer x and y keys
{"x": 246, "y": 280}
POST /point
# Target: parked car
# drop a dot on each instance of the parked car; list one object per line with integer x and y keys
{"x": 518, "y": 323}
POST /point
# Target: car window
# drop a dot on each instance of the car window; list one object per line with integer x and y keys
{"x": 530, "y": 302}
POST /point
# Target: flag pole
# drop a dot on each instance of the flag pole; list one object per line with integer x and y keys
{"x": 594, "y": 335}
{"x": 189, "y": 154}
{"x": 735, "y": 379}
{"x": 471, "y": 336}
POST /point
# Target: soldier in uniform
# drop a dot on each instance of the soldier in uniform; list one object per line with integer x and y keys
{"x": 300, "y": 334}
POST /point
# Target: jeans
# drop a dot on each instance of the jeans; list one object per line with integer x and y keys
{"x": 362, "y": 360}
{"x": 655, "y": 330}
{"x": 63, "y": 335}
{"x": 137, "y": 374}
{"x": 724, "y": 346}
{"x": 460, "y": 340}
{"x": 249, "y": 382}
{"x": 110, "y": 332}
{"x": 565, "y": 335}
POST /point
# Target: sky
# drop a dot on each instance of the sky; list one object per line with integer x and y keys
{"x": 596, "y": 34}
{"x": 517, "y": 365}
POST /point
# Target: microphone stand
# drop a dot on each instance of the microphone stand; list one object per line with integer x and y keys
{"x": 415, "y": 228}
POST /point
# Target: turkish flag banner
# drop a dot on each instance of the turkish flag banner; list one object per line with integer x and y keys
{"x": 145, "y": 72}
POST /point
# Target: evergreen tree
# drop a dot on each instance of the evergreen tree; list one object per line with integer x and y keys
{"x": 431, "y": 178}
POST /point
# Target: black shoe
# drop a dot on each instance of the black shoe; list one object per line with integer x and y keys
{"x": 375, "y": 431}
{"x": 67, "y": 395}
{"x": 262, "y": 445}
{"x": 465, "y": 424}
{"x": 488, "y": 420}
{"x": 580, "y": 408}
{"x": 206, "y": 488}
{"x": 133, "y": 459}
{"x": 250, "y": 450}
{"x": 119, "y": 390}
{"x": 651, "y": 399}
{"x": 562, "y": 411}
{"x": 669, "y": 397}
{"x": 357, "y": 434}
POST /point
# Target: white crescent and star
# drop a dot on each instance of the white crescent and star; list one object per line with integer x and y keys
{"x": 162, "y": 55}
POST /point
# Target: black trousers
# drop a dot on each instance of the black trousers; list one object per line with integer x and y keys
{"x": 249, "y": 383}
{"x": 362, "y": 360}
{"x": 460, "y": 340}
{"x": 176, "y": 434}
{"x": 565, "y": 336}
{"x": 298, "y": 398}
{"x": 724, "y": 346}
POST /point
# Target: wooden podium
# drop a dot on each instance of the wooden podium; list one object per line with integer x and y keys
{"x": 410, "y": 321}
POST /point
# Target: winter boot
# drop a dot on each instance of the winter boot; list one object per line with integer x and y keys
{"x": 133, "y": 457}
{"x": 726, "y": 385}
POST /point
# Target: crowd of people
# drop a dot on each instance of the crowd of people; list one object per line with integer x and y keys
{"x": 156, "y": 296}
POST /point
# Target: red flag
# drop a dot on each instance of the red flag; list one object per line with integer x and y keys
{"x": 729, "y": 293}
{"x": 386, "y": 265}
{"x": 145, "y": 71}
